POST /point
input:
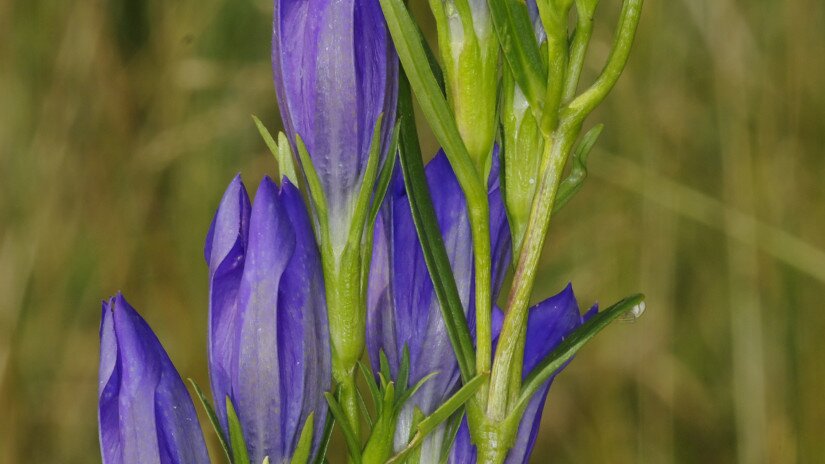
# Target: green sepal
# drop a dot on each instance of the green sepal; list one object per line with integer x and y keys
{"x": 213, "y": 418}
{"x": 239, "y": 454}
{"x": 316, "y": 191}
{"x": 520, "y": 48}
{"x": 371, "y": 385}
{"x": 426, "y": 224}
{"x": 571, "y": 185}
{"x": 403, "y": 378}
{"x": 326, "y": 436}
{"x": 450, "y": 435}
{"x": 304, "y": 448}
{"x": 444, "y": 411}
{"x": 268, "y": 139}
{"x": 349, "y": 435}
{"x": 286, "y": 162}
{"x": 567, "y": 349}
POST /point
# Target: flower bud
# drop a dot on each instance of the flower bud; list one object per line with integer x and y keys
{"x": 145, "y": 414}
{"x": 469, "y": 51}
{"x": 335, "y": 72}
{"x": 268, "y": 336}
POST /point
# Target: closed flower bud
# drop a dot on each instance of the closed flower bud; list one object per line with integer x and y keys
{"x": 469, "y": 51}
{"x": 268, "y": 336}
{"x": 145, "y": 414}
{"x": 335, "y": 72}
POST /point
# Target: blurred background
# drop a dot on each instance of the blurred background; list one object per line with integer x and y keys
{"x": 122, "y": 121}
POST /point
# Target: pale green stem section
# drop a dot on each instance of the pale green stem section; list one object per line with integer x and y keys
{"x": 515, "y": 320}
{"x": 479, "y": 212}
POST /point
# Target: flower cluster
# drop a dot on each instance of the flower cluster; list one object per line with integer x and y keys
{"x": 359, "y": 250}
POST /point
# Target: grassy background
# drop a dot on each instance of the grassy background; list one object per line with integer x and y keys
{"x": 121, "y": 122}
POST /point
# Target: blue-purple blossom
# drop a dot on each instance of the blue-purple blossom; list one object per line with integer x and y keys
{"x": 268, "y": 336}
{"x": 548, "y": 323}
{"x": 335, "y": 73}
{"x": 145, "y": 414}
{"x": 403, "y": 309}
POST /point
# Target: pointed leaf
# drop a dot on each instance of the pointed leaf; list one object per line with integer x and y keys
{"x": 572, "y": 344}
{"x": 520, "y": 47}
{"x": 213, "y": 418}
{"x": 239, "y": 453}
{"x": 349, "y": 435}
{"x": 426, "y": 225}
{"x": 304, "y": 448}
{"x": 578, "y": 173}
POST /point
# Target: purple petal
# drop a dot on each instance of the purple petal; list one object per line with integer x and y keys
{"x": 225, "y": 253}
{"x": 256, "y": 376}
{"x": 303, "y": 333}
{"x": 145, "y": 413}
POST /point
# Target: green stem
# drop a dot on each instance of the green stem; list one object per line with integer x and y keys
{"x": 578, "y": 51}
{"x": 582, "y": 105}
{"x": 525, "y": 274}
{"x": 479, "y": 214}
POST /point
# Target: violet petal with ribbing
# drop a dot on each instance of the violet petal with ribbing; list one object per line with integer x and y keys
{"x": 145, "y": 414}
{"x": 255, "y": 373}
{"x": 335, "y": 73}
{"x": 305, "y": 366}
{"x": 547, "y": 325}
{"x": 225, "y": 251}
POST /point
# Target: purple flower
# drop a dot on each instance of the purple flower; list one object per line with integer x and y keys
{"x": 548, "y": 323}
{"x": 268, "y": 336}
{"x": 335, "y": 73}
{"x": 145, "y": 414}
{"x": 403, "y": 309}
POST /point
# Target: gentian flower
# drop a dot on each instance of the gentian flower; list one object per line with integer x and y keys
{"x": 548, "y": 323}
{"x": 145, "y": 414}
{"x": 403, "y": 309}
{"x": 335, "y": 73}
{"x": 268, "y": 336}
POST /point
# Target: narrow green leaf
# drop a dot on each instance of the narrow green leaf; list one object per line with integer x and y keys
{"x": 349, "y": 436}
{"x": 373, "y": 387}
{"x": 416, "y": 66}
{"x": 213, "y": 418}
{"x": 286, "y": 163}
{"x": 404, "y": 370}
{"x": 453, "y": 403}
{"x": 384, "y": 364}
{"x": 270, "y": 142}
{"x": 385, "y": 177}
{"x": 365, "y": 195}
{"x": 407, "y": 394}
{"x": 520, "y": 47}
{"x": 239, "y": 455}
{"x": 449, "y": 436}
{"x": 326, "y": 436}
{"x": 569, "y": 347}
{"x": 426, "y": 225}
{"x": 362, "y": 405}
{"x": 301, "y": 455}
{"x": 431, "y": 422}
{"x": 578, "y": 173}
